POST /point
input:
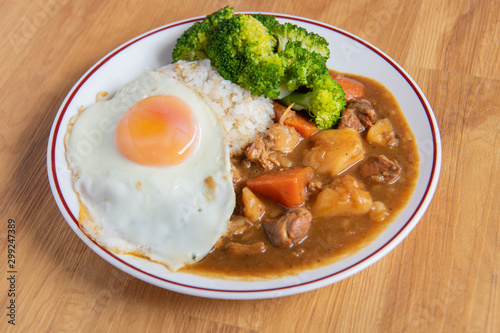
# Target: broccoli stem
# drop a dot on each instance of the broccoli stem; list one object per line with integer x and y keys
{"x": 302, "y": 100}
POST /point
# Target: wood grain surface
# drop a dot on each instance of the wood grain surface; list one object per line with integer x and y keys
{"x": 445, "y": 277}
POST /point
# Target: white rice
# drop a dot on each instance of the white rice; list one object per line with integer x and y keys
{"x": 242, "y": 115}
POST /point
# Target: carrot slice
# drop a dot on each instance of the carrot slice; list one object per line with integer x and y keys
{"x": 352, "y": 88}
{"x": 287, "y": 188}
{"x": 300, "y": 123}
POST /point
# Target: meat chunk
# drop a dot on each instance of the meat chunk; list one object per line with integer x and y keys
{"x": 258, "y": 152}
{"x": 365, "y": 112}
{"x": 246, "y": 249}
{"x": 314, "y": 185}
{"x": 334, "y": 151}
{"x": 346, "y": 196}
{"x": 239, "y": 226}
{"x": 279, "y": 139}
{"x": 359, "y": 114}
{"x": 291, "y": 228}
{"x": 282, "y": 138}
{"x": 381, "y": 170}
{"x": 351, "y": 120}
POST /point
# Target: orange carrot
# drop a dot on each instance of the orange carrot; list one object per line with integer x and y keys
{"x": 287, "y": 188}
{"x": 352, "y": 88}
{"x": 278, "y": 110}
{"x": 300, "y": 123}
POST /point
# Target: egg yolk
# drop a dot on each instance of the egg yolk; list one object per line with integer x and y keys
{"x": 159, "y": 130}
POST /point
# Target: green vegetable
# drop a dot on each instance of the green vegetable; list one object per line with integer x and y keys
{"x": 288, "y": 32}
{"x": 325, "y": 101}
{"x": 268, "y": 58}
{"x": 243, "y": 51}
{"x": 269, "y": 21}
{"x": 302, "y": 65}
{"x": 192, "y": 45}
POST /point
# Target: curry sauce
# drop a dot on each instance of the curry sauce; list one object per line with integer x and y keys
{"x": 332, "y": 238}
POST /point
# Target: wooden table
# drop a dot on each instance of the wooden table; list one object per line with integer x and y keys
{"x": 444, "y": 277}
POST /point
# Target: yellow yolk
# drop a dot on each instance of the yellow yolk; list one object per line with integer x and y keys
{"x": 159, "y": 130}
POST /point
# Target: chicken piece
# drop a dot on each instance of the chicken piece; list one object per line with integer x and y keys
{"x": 253, "y": 208}
{"x": 382, "y": 133}
{"x": 246, "y": 249}
{"x": 258, "y": 152}
{"x": 344, "y": 197}
{"x": 266, "y": 150}
{"x": 359, "y": 114}
{"x": 239, "y": 226}
{"x": 334, "y": 151}
{"x": 314, "y": 185}
{"x": 381, "y": 170}
{"x": 291, "y": 228}
{"x": 282, "y": 138}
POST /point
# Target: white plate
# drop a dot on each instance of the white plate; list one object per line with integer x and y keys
{"x": 349, "y": 54}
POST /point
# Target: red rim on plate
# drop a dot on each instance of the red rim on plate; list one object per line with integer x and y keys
{"x": 244, "y": 293}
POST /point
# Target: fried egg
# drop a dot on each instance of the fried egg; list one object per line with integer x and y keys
{"x": 152, "y": 172}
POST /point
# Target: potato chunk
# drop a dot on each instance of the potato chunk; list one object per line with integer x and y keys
{"x": 382, "y": 133}
{"x": 253, "y": 208}
{"x": 378, "y": 212}
{"x": 346, "y": 196}
{"x": 334, "y": 151}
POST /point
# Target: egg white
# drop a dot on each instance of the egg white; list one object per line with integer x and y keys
{"x": 171, "y": 215}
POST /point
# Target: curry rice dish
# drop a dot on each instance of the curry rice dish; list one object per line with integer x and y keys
{"x": 305, "y": 197}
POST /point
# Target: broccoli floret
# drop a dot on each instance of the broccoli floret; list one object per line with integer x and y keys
{"x": 269, "y": 21}
{"x": 263, "y": 77}
{"x": 268, "y": 58}
{"x": 288, "y": 32}
{"x": 243, "y": 51}
{"x": 323, "y": 97}
{"x": 325, "y": 101}
{"x": 192, "y": 45}
{"x": 220, "y": 15}
{"x": 302, "y": 65}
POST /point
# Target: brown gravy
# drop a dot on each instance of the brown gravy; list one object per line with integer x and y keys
{"x": 329, "y": 239}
